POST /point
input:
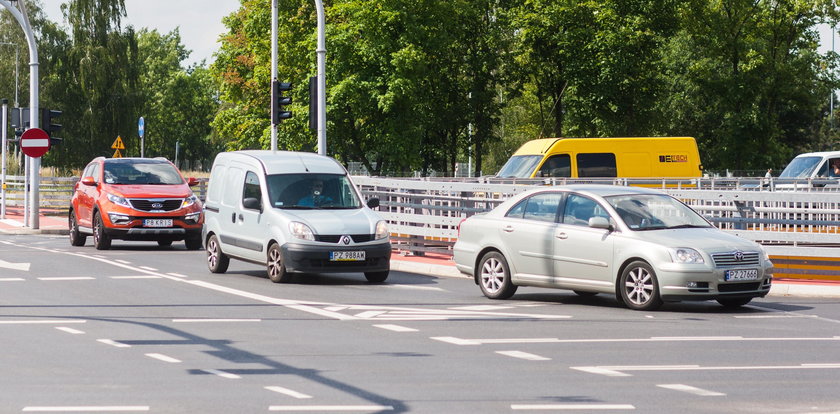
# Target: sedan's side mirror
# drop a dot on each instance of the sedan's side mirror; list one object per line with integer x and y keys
{"x": 599, "y": 222}
{"x": 252, "y": 203}
{"x": 373, "y": 202}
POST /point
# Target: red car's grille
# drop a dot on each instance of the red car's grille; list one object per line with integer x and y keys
{"x": 156, "y": 204}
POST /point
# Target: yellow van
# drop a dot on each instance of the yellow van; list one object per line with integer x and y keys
{"x": 644, "y": 157}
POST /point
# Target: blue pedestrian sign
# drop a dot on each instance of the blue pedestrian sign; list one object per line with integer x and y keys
{"x": 141, "y": 127}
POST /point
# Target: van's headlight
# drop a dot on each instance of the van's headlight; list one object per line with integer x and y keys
{"x": 301, "y": 231}
{"x": 120, "y": 201}
{"x": 686, "y": 255}
{"x": 189, "y": 201}
{"x": 381, "y": 230}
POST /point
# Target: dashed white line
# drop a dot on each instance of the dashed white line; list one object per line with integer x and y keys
{"x": 523, "y": 355}
{"x": 215, "y": 320}
{"x": 46, "y": 321}
{"x": 12, "y": 279}
{"x": 290, "y": 393}
{"x": 122, "y": 261}
{"x": 396, "y": 328}
{"x": 61, "y": 279}
{"x": 691, "y": 390}
{"x": 136, "y": 277}
{"x": 69, "y": 330}
{"x": 176, "y": 274}
{"x": 534, "y": 407}
{"x": 774, "y": 316}
{"x": 455, "y": 341}
{"x": 86, "y": 409}
{"x": 415, "y": 287}
{"x": 330, "y": 408}
{"x": 164, "y": 358}
{"x": 151, "y": 269}
{"x": 617, "y": 371}
{"x": 221, "y": 373}
{"x": 113, "y": 343}
{"x": 481, "y": 308}
{"x": 369, "y": 314}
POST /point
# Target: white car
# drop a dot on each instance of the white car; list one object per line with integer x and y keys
{"x": 640, "y": 244}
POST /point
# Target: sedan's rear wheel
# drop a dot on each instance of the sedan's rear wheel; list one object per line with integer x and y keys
{"x": 639, "y": 288}
{"x": 76, "y": 238}
{"x": 100, "y": 239}
{"x": 494, "y": 276}
{"x": 276, "y": 269}
{"x": 217, "y": 261}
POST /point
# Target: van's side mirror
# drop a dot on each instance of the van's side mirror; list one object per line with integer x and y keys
{"x": 192, "y": 181}
{"x": 252, "y": 203}
{"x": 599, "y": 222}
{"x": 373, "y": 202}
{"x": 88, "y": 181}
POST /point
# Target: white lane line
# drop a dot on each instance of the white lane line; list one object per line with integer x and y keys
{"x": 478, "y": 341}
{"x": 46, "y": 321}
{"x": 396, "y": 328}
{"x": 691, "y": 390}
{"x": 215, "y": 320}
{"x": 86, "y": 409}
{"x": 330, "y": 408}
{"x": 369, "y": 314}
{"x": 455, "y": 341}
{"x": 543, "y": 407}
{"x": 523, "y": 355}
{"x": 774, "y": 316}
{"x": 136, "y": 277}
{"x": 12, "y": 279}
{"x": 221, "y": 373}
{"x": 481, "y": 308}
{"x": 61, "y": 279}
{"x": 415, "y": 287}
{"x": 176, "y": 274}
{"x": 114, "y": 343}
{"x": 122, "y": 261}
{"x": 163, "y": 358}
{"x": 618, "y": 371}
{"x": 69, "y": 330}
{"x": 290, "y": 393}
{"x": 151, "y": 269}
{"x": 602, "y": 371}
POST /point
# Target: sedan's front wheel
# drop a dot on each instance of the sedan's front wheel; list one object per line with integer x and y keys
{"x": 494, "y": 276}
{"x": 639, "y": 288}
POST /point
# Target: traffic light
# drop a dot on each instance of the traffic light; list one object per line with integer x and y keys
{"x": 279, "y": 102}
{"x": 48, "y": 119}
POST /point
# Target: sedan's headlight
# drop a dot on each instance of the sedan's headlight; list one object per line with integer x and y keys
{"x": 189, "y": 201}
{"x": 301, "y": 231}
{"x": 686, "y": 255}
{"x": 120, "y": 201}
{"x": 381, "y": 230}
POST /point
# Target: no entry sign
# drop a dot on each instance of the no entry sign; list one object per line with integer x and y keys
{"x": 35, "y": 142}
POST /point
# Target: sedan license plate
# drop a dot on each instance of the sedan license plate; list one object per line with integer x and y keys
{"x": 157, "y": 223}
{"x": 351, "y": 256}
{"x": 747, "y": 274}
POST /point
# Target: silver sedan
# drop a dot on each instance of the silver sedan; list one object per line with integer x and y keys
{"x": 642, "y": 245}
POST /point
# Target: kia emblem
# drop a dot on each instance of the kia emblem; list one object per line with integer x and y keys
{"x": 157, "y": 205}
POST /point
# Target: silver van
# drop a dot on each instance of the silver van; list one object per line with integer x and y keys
{"x": 293, "y": 212}
{"x": 819, "y": 168}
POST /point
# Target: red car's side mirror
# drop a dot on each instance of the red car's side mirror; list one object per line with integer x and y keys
{"x": 192, "y": 181}
{"x": 88, "y": 181}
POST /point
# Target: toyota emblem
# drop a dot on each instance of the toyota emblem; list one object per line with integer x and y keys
{"x": 739, "y": 256}
{"x": 345, "y": 239}
{"x": 157, "y": 205}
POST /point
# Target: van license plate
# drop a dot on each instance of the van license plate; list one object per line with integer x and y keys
{"x": 157, "y": 223}
{"x": 351, "y": 256}
{"x": 748, "y": 274}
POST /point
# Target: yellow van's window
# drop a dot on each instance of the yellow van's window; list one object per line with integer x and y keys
{"x": 519, "y": 166}
{"x": 559, "y": 165}
{"x": 596, "y": 165}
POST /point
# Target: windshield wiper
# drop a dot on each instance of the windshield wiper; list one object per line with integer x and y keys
{"x": 297, "y": 207}
{"x": 688, "y": 226}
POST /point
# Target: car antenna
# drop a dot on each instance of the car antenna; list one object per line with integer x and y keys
{"x": 303, "y": 162}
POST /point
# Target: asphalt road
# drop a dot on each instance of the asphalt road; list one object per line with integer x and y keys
{"x": 145, "y": 329}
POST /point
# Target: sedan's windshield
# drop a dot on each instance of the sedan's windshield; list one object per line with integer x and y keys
{"x": 142, "y": 173}
{"x": 520, "y": 166}
{"x": 800, "y": 167}
{"x": 653, "y": 211}
{"x": 312, "y": 191}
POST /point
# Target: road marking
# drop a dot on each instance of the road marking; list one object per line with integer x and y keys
{"x": 455, "y": 341}
{"x": 416, "y": 287}
{"x": 523, "y": 355}
{"x": 330, "y": 408}
{"x": 15, "y": 266}
{"x": 61, "y": 279}
{"x": 176, "y": 274}
{"x": 290, "y": 393}
{"x": 773, "y": 316}
{"x": 113, "y": 343}
{"x": 122, "y": 261}
{"x": 47, "y": 321}
{"x": 617, "y": 371}
{"x": 572, "y": 407}
{"x": 12, "y": 279}
{"x": 396, "y": 328}
{"x": 69, "y": 330}
{"x": 86, "y": 409}
{"x": 136, "y": 277}
{"x": 215, "y": 320}
{"x": 163, "y": 358}
{"x": 369, "y": 314}
{"x": 222, "y": 374}
{"x": 691, "y": 390}
{"x": 481, "y": 308}
{"x": 151, "y": 269}
{"x": 478, "y": 341}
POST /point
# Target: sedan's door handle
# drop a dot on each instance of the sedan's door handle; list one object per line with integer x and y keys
{"x": 561, "y": 235}
{"x": 508, "y": 229}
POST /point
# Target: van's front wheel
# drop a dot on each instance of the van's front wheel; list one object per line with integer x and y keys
{"x": 376, "y": 277}
{"x": 217, "y": 261}
{"x": 276, "y": 270}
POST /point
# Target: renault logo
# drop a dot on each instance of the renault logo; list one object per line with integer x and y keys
{"x": 345, "y": 239}
{"x": 157, "y": 205}
{"x": 739, "y": 256}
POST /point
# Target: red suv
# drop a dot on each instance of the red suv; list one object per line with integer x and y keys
{"x": 134, "y": 199}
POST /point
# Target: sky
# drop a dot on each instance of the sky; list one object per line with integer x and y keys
{"x": 200, "y": 21}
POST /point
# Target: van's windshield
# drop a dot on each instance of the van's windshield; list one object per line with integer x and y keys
{"x": 520, "y": 166}
{"x": 801, "y": 167}
{"x": 312, "y": 191}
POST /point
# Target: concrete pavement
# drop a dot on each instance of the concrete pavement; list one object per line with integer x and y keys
{"x": 433, "y": 265}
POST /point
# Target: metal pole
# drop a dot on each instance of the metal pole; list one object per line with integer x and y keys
{"x": 321, "y": 52}
{"x": 274, "y": 17}
{"x": 3, "y": 169}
